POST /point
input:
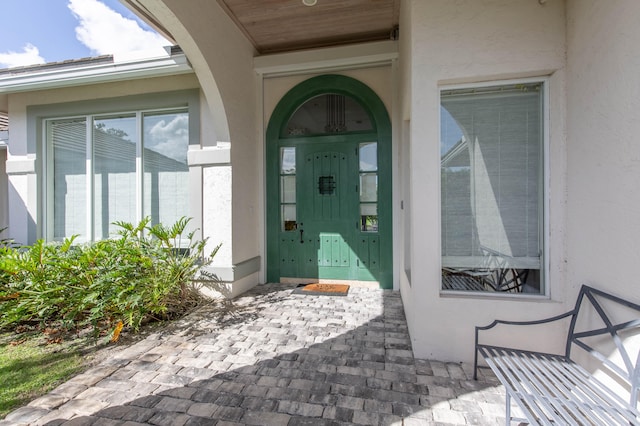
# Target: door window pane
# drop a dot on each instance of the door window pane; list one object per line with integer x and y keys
{"x": 289, "y": 217}
{"x": 69, "y": 142}
{"x": 369, "y": 187}
{"x": 369, "y": 157}
{"x": 491, "y": 191}
{"x": 288, "y": 189}
{"x": 369, "y": 217}
{"x": 166, "y": 173}
{"x": 368, "y": 166}
{"x": 288, "y": 161}
{"x": 114, "y": 159}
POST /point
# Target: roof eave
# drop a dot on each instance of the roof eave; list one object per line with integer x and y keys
{"x": 92, "y": 74}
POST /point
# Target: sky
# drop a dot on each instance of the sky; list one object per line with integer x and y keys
{"x": 40, "y": 31}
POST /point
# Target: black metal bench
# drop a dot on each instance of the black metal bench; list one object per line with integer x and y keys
{"x": 553, "y": 389}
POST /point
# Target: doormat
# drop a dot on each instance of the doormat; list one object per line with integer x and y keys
{"x": 322, "y": 289}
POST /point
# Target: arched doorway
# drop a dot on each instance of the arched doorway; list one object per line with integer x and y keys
{"x": 329, "y": 185}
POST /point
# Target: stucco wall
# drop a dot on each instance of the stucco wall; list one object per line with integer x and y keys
{"x": 603, "y": 152}
{"x": 474, "y": 41}
{"x": 223, "y": 60}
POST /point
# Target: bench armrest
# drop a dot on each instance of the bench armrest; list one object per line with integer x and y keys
{"x": 496, "y": 322}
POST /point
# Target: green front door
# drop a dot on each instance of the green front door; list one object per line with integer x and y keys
{"x": 329, "y": 189}
{"x": 329, "y": 237}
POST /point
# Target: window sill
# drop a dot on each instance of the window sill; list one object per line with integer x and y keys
{"x": 522, "y": 297}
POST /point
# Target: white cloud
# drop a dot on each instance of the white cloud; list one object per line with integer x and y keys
{"x": 105, "y": 32}
{"x": 29, "y": 56}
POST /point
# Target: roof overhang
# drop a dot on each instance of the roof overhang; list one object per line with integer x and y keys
{"x": 92, "y": 71}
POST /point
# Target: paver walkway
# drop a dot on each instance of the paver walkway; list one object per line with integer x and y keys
{"x": 271, "y": 357}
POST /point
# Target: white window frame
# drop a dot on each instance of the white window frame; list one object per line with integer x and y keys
{"x": 544, "y": 208}
{"x": 47, "y": 216}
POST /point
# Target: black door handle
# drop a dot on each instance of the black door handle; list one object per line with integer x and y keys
{"x": 301, "y": 236}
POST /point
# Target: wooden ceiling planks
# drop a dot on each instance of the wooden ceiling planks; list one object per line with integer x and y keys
{"x": 285, "y": 25}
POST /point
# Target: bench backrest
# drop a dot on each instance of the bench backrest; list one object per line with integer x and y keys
{"x": 629, "y": 371}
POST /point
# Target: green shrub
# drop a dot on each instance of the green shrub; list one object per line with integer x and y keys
{"x": 144, "y": 273}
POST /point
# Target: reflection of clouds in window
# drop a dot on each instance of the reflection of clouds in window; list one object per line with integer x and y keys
{"x": 288, "y": 164}
{"x": 368, "y": 157}
{"x": 168, "y": 134}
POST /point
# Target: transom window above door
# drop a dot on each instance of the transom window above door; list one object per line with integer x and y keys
{"x": 329, "y": 113}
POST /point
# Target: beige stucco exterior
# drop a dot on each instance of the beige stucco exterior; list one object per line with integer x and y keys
{"x": 584, "y": 50}
{"x": 603, "y": 157}
{"x": 474, "y": 42}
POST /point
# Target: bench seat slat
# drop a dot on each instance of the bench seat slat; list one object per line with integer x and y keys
{"x": 595, "y": 397}
{"x": 526, "y": 392}
{"x": 579, "y": 392}
{"x": 556, "y": 386}
{"x": 514, "y": 386}
{"x": 556, "y": 391}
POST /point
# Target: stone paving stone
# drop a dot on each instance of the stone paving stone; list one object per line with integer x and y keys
{"x": 270, "y": 357}
{"x": 172, "y": 380}
{"x": 49, "y": 401}
{"x": 259, "y": 404}
{"x": 202, "y": 409}
{"x": 26, "y": 414}
{"x": 128, "y": 413}
{"x": 262, "y": 418}
{"x": 55, "y": 417}
{"x": 84, "y": 421}
{"x": 374, "y": 406}
{"x": 196, "y": 372}
{"x": 366, "y": 418}
{"x": 255, "y": 390}
{"x": 323, "y": 399}
{"x": 200, "y": 421}
{"x": 70, "y": 390}
{"x": 341, "y": 414}
{"x": 176, "y": 405}
{"x": 229, "y": 413}
{"x": 448, "y": 416}
{"x": 300, "y": 408}
{"x": 149, "y": 401}
{"x": 350, "y": 402}
{"x": 288, "y": 394}
{"x": 164, "y": 418}
{"x": 84, "y": 407}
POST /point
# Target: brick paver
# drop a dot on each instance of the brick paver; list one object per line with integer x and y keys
{"x": 271, "y": 357}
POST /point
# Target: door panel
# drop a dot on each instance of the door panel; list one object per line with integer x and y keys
{"x": 328, "y": 241}
{"x": 327, "y": 206}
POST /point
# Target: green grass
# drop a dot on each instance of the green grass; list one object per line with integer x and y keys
{"x": 30, "y": 367}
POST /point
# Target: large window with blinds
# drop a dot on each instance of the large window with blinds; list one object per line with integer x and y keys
{"x": 116, "y": 167}
{"x": 492, "y": 188}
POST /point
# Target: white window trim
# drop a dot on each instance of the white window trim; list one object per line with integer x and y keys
{"x": 546, "y": 237}
{"x": 47, "y": 216}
